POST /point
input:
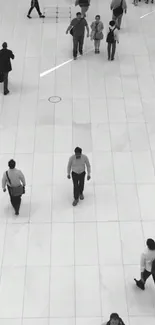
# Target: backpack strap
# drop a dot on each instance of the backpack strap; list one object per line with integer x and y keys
{"x": 8, "y": 178}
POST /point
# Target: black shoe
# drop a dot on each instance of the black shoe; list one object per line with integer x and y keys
{"x": 140, "y": 284}
{"x": 42, "y": 16}
{"x": 17, "y": 213}
{"x": 112, "y": 59}
{"x": 28, "y": 16}
{"x": 6, "y": 92}
{"x": 81, "y": 53}
{"x": 96, "y": 51}
{"x": 75, "y": 57}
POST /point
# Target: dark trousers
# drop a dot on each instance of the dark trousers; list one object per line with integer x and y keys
{"x": 36, "y": 5}
{"x": 111, "y": 50}
{"x": 146, "y": 274}
{"x": 5, "y": 82}
{"x": 118, "y": 20}
{"x": 77, "y": 44}
{"x": 15, "y": 201}
{"x": 78, "y": 182}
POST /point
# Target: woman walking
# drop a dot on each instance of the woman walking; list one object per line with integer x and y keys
{"x": 147, "y": 264}
{"x": 97, "y": 32}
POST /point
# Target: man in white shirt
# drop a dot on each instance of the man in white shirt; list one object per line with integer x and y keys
{"x": 76, "y": 165}
{"x": 147, "y": 264}
{"x": 15, "y": 182}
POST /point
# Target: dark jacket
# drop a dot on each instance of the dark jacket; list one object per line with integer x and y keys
{"x": 120, "y": 322}
{"x": 5, "y": 62}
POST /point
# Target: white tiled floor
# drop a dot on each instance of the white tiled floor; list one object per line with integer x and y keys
{"x": 59, "y": 264}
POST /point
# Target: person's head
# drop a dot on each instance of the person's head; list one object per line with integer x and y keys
{"x": 11, "y": 164}
{"x": 78, "y": 152}
{"x": 114, "y": 319}
{"x": 4, "y": 45}
{"x": 112, "y": 23}
{"x": 97, "y": 18}
{"x": 150, "y": 244}
{"x": 78, "y": 15}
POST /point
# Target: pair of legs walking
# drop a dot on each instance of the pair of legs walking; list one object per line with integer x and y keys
{"x": 78, "y": 183}
{"x": 144, "y": 276}
{"x": 97, "y": 45}
{"x": 84, "y": 10}
{"x": 78, "y": 45}
{"x": 111, "y": 50}
{"x": 35, "y": 5}
{"x": 118, "y": 20}
{"x": 15, "y": 201}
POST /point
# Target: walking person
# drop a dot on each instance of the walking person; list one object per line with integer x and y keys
{"x": 84, "y": 5}
{"x": 35, "y": 4}
{"x": 77, "y": 30}
{"x": 5, "y": 65}
{"x": 97, "y": 32}
{"x": 114, "y": 320}
{"x": 112, "y": 38}
{"x": 118, "y": 7}
{"x": 76, "y": 167}
{"x": 147, "y": 264}
{"x": 15, "y": 182}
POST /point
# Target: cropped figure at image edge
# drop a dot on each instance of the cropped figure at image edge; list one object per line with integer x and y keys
{"x": 15, "y": 182}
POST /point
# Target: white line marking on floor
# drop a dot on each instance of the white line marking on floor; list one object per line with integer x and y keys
{"x": 148, "y": 14}
{"x": 59, "y": 66}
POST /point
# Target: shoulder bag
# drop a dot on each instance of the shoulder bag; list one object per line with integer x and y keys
{"x": 119, "y": 10}
{"x": 15, "y": 191}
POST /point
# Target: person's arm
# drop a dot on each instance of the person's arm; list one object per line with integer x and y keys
{"x": 112, "y": 5}
{"x": 88, "y": 166}
{"x": 22, "y": 178}
{"x": 69, "y": 166}
{"x": 125, "y": 6}
{"x": 12, "y": 55}
{"x": 4, "y": 181}
{"x": 69, "y": 27}
{"x": 142, "y": 262}
{"x": 87, "y": 28}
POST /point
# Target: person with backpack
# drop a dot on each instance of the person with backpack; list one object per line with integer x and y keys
{"x": 97, "y": 32}
{"x": 118, "y": 7}
{"x": 77, "y": 30}
{"x": 15, "y": 181}
{"x": 35, "y": 4}
{"x": 147, "y": 264}
{"x": 114, "y": 320}
{"x": 112, "y": 38}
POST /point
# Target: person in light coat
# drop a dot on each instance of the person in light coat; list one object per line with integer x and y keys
{"x": 147, "y": 264}
{"x": 97, "y": 32}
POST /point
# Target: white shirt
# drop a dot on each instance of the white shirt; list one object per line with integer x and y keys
{"x": 16, "y": 178}
{"x": 146, "y": 260}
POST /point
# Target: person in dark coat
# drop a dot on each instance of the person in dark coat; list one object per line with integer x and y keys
{"x": 35, "y": 4}
{"x": 114, "y": 320}
{"x": 5, "y": 64}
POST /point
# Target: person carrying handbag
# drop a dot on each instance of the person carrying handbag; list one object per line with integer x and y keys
{"x": 97, "y": 33}
{"x": 118, "y": 7}
{"x": 15, "y": 182}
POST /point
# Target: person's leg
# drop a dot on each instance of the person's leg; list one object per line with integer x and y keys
{"x": 97, "y": 45}
{"x": 75, "y": 178}
{"x": 81, "y": 184}
{"x": 30, "y": 10}
{"x": 81, "y": 40}
{"x": 75, "y": 46}
{"x": 17, "y": 204}
{"x": 153, "y": 276}
{"x": 109, "y": 50}
{"x": 118, "y": 21}
{"x": 84, "y": 10}
{"x": 113, "y": 50}
{"x": 6, "y": 91}
{"x": 144, "y": 276}
{"x": 38, "y": 8}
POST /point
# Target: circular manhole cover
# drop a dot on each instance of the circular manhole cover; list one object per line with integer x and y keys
{"x": 54, "y": 99}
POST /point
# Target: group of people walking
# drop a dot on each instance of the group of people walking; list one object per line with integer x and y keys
{"x": 79, "y": 24}
{"x": 135, "y": 2}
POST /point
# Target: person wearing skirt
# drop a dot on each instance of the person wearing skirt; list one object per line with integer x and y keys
{"x": 97, "y": 32}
